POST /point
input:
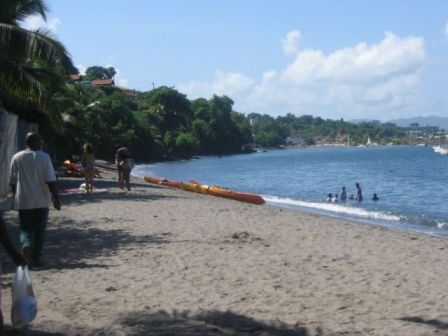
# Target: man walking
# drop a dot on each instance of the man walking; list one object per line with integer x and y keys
{"x": 32, "y": 180}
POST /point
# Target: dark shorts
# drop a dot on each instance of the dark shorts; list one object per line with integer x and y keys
{"x": 32, "y": 227}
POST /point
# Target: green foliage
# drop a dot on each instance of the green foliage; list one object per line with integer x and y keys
{"x": 164, "y": 124}
{"x": 268, "y": 132}
{"x": 186, "y": 144}
{"x": 98, "y": 72}
{"x": 33, "y": 64}
{"x": 168, "y": 109}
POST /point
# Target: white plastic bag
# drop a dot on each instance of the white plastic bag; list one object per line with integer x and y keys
{"x": 24, "y": 304}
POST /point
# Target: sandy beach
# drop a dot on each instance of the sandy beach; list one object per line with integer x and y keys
{"x": 162, "y": 261}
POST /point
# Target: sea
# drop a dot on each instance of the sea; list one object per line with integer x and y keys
{"x": 411, "y": 182}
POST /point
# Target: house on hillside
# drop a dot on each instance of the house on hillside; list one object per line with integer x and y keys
{"x": 76, "y": 78}
{"x": 295, "y": 141}
{"x": 95, "y": 83}
{"x": 103, "y": 82}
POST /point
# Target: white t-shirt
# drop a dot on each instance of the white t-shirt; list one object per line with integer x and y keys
{"x": 30, "y": 172}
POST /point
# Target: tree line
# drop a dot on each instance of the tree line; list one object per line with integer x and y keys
{"x": 163, "y": 124}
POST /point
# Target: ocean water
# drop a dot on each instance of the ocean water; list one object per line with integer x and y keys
{"x": 411, "y": 182}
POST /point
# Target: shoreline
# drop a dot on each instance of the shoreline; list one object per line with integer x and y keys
{"x": 385, "y": 224}
{"x": 351, "y": 211}
{"x": 158, "y": 260}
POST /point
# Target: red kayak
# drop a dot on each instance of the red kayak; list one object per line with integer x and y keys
{"x": 164, "y": 182}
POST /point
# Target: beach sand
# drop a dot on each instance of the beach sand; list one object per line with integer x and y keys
{"x": 162, "y": 261}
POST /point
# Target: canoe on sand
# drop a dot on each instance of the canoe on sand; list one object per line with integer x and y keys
{"x": 164, "y": 182}
{"x": 222, "y": 192}
{"x": 235, "y": 195}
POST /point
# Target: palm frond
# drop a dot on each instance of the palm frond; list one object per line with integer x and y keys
{"x": 39, "y": 45}
{"x": 14, "y": 11}
{"x": 19, "y": 82}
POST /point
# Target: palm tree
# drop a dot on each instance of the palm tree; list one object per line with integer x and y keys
{"x": 33, "y": 64}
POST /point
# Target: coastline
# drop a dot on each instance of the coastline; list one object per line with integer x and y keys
{"x": 158, "y": 260}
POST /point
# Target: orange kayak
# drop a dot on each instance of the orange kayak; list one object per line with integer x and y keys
{"x": 222, "y": 192}
{"x": 235, "y": 195}
{"x": 164, "y": 182}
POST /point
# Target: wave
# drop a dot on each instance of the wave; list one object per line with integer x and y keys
{"x": 416, "y": 223}
{"x": 336, "y": 208}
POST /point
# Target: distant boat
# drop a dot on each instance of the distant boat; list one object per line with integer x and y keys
{"x": 370, "y": 143}
{"x": 441, "y": 150}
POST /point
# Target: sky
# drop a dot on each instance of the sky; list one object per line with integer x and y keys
{"x": 350, "y": 59}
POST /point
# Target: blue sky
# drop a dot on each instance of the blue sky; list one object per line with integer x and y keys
{"x": 335, "y": 59}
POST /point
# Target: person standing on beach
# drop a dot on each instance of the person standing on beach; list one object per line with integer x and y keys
{"x": 88, "y": 163}
{"x": 125, "y": 164}
{"x": 16, "y": 257}
{"x": 32, "y": 179}
{"x": 120, "y": 152}
{"x": 358, "y": 192}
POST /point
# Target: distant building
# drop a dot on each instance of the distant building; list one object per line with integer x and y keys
{"x": 295, "y": 141}
{"x": 103, "y": 82}
{"x": 75, "y": 77}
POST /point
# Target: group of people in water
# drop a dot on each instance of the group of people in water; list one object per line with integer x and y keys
{"x": 344, "y": 198}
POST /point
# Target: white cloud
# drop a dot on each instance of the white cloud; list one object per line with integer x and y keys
{"x": 118, "y": 79}
{"x": 122, "y": 82}
{"x": 378, "y": 80}
{"x": 34, "y": 22}
{"x": 290, "y": 42}
{"x": 225, "y": 83}
{"x": 363, "y": 63}
{"x": 82, "y": 69}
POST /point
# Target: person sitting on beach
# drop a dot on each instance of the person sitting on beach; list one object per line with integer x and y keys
{"x": 88, "y": 160}
{"x": 17, "y": 258}
{"x": 375, "y": 197}
{"x": 343, "y": 194}
{"x": 358, "y": 192}
{"x": 329, "y": 197}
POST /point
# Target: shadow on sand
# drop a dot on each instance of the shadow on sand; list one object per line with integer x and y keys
{"x": 207, "y": 323}
{"x": 72, "y": 245}
{"x": 432, "y": 322}
{"x": 111, "y": 192}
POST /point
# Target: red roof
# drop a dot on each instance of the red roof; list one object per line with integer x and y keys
{"x": 103, "y": 82}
